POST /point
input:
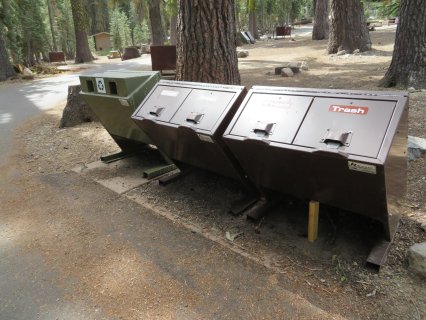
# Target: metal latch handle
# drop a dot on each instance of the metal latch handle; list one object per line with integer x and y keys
{"x": 195, "y": 117}
{"x": 156, "y": 111}
{"x": 263, "y": 127}
{"x": 340, "y": 138}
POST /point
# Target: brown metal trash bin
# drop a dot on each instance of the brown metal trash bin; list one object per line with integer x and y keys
{"x": 186, "y": 120}
{"x": 343, "y": 148}
{"x": 163, "y": 58}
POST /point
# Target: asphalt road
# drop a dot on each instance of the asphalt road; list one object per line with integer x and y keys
{"x": 22, "y": 101}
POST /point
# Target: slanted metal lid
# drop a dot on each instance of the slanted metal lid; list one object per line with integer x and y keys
{"x": 272, "y": 116}
{"x": 163, "y": 103}
{"x": 353, "y": 126}
{"x": 202, "y": 109}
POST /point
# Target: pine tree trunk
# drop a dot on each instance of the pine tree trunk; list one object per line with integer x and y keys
{"x": 76, "y": 111}
{"x": 83, "y": 53}
{"x": 348, "y": 29}
{"x": 6, "y": 69}
{"x": 206, "y": 49}
{"x": 173, "y": 29}
{"x": 252, "y": 19}
{"x": 50, "y": 9}
{"x": 408, "y": 66}
{"x": 320, "y": 30}
{"x": 156, "y": 25}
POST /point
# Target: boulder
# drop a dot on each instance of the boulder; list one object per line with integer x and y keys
{"x": 417, "y": 258}
{"x": 304, "y": 66}
{"x": 287, "y": 72}
{"x": 341, "y": 53}
{"x": 241, "y": 53}
{"x": 416, "y": 148}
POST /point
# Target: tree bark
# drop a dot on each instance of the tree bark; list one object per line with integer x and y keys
{"x": 156, "y": 25}
{"x": 6, "y": 69}
{"x": 320, "y": 30}
{"x": 408, "y": 66}
{"x": 83, "y": 53}
{"x": 76, "y": 111}
{"x": 206, "y": 49}
{"x": 252, "y": 19}
{"x": 348, "y": 29}
{"x": 173, "y": 29}
{"x": 50, "y": 9}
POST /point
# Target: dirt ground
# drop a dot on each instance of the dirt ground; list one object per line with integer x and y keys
{"x": 330, "y": 273}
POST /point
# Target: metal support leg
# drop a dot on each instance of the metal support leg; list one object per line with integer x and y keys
{"x": 313, "y": 221}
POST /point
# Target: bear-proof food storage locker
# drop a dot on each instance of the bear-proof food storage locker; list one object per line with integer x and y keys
{"x": 343, "y": 148}
{"x": 186, "y": 120}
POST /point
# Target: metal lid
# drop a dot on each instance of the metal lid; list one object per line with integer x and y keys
{"x": 203, "y": 109}
{"x": 271, "y": 116}
{"x": 163, "y": 103}
{"x": 354, "y": 126}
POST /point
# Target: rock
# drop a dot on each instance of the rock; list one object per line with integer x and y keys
{"x": 417, "y": 258}
{"x": 356, "y": 51}
{"x": 27, "y": 72}
{"x": 294, "y": 66}
{"x": 241, "y": 53}
{"x": 287, "y": 72}
{"x": 304, "y": 66}
{"x": 416, "y": 148}
{"x": 411, "y": 89}
{"x": 423, "y": 226}
{"x": 341, "y": 53}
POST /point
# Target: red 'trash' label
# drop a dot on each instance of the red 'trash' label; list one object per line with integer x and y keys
{"x": 349, "y": 109}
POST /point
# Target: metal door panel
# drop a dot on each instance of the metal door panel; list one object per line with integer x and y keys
{"x": 352, "y": 126}
{"x": 275, "y": 117}
{"x": 202, "y": 109}
{"x": 163, "y": 103}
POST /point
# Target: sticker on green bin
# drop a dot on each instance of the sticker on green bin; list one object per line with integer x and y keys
{"x": 100, "y": 85}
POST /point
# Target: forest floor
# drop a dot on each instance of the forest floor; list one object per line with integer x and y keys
{"x": 330, "y": 273}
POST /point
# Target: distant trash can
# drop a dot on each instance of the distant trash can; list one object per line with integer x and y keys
{"x": 244, "y": 38}
{"x": 186, "y": 120}
{"x": 113, "y": 96}
{"x": 343, "y": 148}
{"x": 56, "y": 56}
{"x": 163, "y": 58}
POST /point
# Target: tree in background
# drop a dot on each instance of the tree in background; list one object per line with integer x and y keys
{"x": 98, "y": 14}
{"x": 172, "y": 10}
{"x": 252, "y": 27}
{"x": 51, "y": 4}
{"x": 120, "y": 30}
{"x": 82, "y": 53}
{"x": 33, "y": 36}
{"x": 408, "y": 66}
{"x": 320, "y": 30}
{"x": 157, "y": 32}
{"x": 348, "y": 28}
{"x": 65, "y": 23}
{"x": 6, "y": 69}
{"x": 206, "y": 48}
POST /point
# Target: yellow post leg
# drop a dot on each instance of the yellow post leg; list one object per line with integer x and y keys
{"x": 313, "y": 221}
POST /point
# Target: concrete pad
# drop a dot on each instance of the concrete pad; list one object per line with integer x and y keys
{"x": 119, "y": 176}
